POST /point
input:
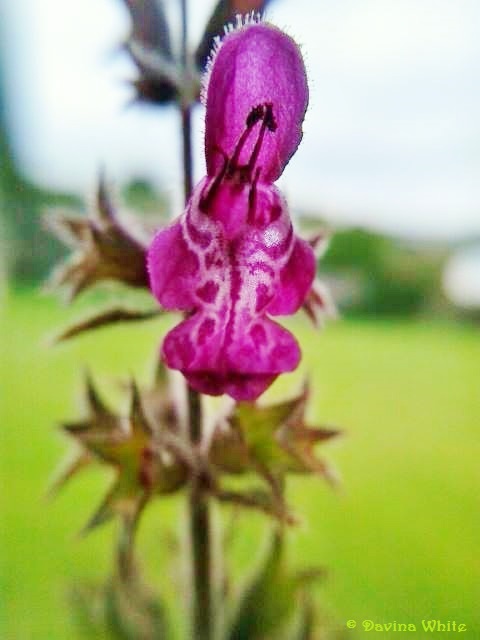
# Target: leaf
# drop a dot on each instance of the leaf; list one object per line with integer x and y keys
{"x": 149, "y": 45}
{"x": 221, "y": 15}
{"x": 100, "y": 421}
{"x": 228, "y": 449}
{"x": 104, "y": 249}
{"x": 225, "y": 11}
{"x": 122, "y": 499}
{"x": 159, "y": 80}
{"x": 319, "y": 242}
{"x": 319, "y": 305}
{"x": 271, "y": 441}
{"x": 268, "y": 601}
{"x": 133, "y": 615}
{"x": 106, "y": 318}
{"x": 127, "y": 612}
{"x": 159, "y": 403}
{"x": 144, "y": 465}
{"x": 257, "y": 499}
{"x": 258, "y": 425}
{"x": 68, "y": 469}
{"x": 275, "y": 598}
{"x": 149, "y": 24}
{"x": 306, "y": 624}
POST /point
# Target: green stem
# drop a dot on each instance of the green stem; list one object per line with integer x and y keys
{"x": 202, "y": 624}
{"x": 201, "y": 549}
{"x": 199, "y": 510}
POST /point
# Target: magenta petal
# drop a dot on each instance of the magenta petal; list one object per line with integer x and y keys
{"x": 296, "y": 278}
{"x": 173, "y": 269}
{"x": 255, "y": 65}
{"x": 194, "y": 345}
{"x": 229, "y": 272}
{"x": 239, "y": 387}
{"x": 243, "y": 364}
{"x": 198, "y": 344}
{"x": 263, "y": 348}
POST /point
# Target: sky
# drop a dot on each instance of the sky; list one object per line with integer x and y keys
{"x": 391, "y": 137}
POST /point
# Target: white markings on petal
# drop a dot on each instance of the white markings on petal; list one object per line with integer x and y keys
{"x": 272, "y": 237}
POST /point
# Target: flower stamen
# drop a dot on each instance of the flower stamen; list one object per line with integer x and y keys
{"x": 231, "y": 168}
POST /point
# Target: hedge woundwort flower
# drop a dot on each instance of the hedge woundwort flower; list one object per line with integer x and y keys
{"x": 232, "y": 259}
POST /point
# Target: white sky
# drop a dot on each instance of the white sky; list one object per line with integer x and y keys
{"x": 392, "y": 136}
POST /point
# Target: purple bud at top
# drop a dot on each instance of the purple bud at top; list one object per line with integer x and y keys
{"x": 256, "y": 99}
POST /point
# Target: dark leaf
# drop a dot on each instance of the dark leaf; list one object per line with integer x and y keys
{"x": 319, "y": 242}
{"x": 126, "y": 612}
{"x": 68, "y": 470}
{"x": 158, "y": 403}
{"x": 319, "y": 305}
{"x": 222, "y": 14}
{"x": 225, "y": 11}
{"x": 133, "y": 447}
{"x": 105, "y": 319}
{"x": 258, "y": 499}
{"x": 306, "y": 624}
{"x": 159, "y": 80}
{"x": 100, "y": 421}
{"x": 123, "y": 499}
{"x": 134, "y": 615}
{"x": 268, "y": 601}
{"x": 149, "y": 24}
{"x": 104, "y": 249}
{"x": 153, "y": 90}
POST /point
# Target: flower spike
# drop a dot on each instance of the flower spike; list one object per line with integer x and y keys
{"x": 232, "y": 259}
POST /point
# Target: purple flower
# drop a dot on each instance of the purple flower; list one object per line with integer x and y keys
{"x": 232, "y": 259}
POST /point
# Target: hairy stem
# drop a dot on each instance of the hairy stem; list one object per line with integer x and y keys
{"x": 199, "y": 511}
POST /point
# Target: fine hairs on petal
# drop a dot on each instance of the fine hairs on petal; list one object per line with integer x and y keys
{"x": 241, "y": 21}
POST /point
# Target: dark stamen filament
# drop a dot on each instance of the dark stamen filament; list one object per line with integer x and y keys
{"x": 258, "y": 144}
{"x": 252, "y": 197}
{"x": 263, "y": 113}
{"x": 206, "y": 200}
{"x": 255, "y": 115}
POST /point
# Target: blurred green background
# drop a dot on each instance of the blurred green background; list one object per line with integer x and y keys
{"x": 400, "y": 539}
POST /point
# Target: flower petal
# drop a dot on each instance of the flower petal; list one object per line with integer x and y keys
{"x": 295, "y": 280}
{"x": 255, "y": 65}
{"x": 216, "y": 362}
{"x": 173, "y": 269}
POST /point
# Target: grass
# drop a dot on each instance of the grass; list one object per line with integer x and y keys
{"x": 400, "y": 540}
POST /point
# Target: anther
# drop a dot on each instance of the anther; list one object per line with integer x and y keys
{"x": 269, "y": 118}
{"x": 255, "y": 115}
{"x": 261, "y": 113}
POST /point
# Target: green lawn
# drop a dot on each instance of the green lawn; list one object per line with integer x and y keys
{"x": 400, "y": 539}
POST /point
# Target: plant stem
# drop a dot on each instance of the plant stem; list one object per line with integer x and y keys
{"x": 187, "y": 151}
{"x": 199, "y": 511}
{"x": 201, "y": 550}
{"x": 202, "y": 624}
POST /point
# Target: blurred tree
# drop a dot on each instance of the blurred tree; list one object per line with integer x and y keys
{"x": 26, "y": 250}
{"x": 390, "y": 277}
